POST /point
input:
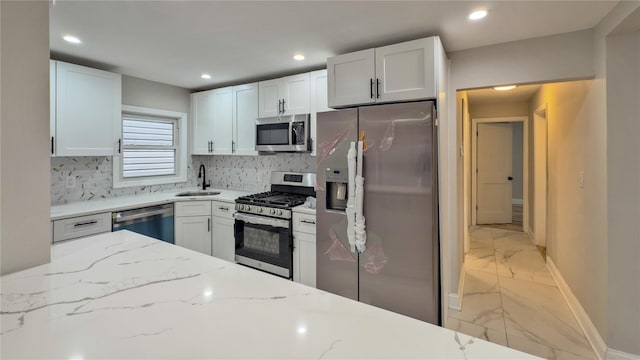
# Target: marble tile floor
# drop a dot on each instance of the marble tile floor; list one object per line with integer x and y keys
{"x": 510, "y": 298}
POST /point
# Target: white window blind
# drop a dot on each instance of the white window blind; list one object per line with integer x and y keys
{"x": 148, "y": 146}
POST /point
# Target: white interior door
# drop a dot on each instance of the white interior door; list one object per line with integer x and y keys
{"x": 494, "y": 152}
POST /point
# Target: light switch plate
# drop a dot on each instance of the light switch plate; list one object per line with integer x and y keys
{"x": 581, "y": 179}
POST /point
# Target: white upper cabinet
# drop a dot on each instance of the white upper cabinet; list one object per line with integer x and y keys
{"x": 222, "y": 121}
{"x": 202, "y": 113}
{"x": 406, "y": 71}
{"x": 351, "y": 78}
{"x": 284, "y": 96}
{"x": 245, "y": 113}
{"x": 88, "y": 104}
{"x": 319, "y": 102}
{"x": 398, "y": 72}
{"x": 52, "y": 106}
{"x": 295, "y": 97}
{"x": 270, "y": 98}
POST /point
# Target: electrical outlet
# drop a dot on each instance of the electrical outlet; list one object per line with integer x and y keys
{"x": 70, "y": 182}
{"x": 581, "y": 179}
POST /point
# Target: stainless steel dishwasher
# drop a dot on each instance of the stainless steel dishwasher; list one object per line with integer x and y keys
{"x": 153, "y": 221}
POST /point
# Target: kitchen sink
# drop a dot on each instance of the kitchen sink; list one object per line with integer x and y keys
{"x": 198, "y": 193}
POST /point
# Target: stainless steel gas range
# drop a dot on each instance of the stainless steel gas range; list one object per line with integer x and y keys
{"x": 263, "y": 226}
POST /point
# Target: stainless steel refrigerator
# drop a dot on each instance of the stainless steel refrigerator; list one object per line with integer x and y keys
{"x": 399, "y": 269}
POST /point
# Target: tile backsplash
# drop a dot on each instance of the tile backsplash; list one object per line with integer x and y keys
{"x": 91, "y": 177}
{"x": 252, "y": 173}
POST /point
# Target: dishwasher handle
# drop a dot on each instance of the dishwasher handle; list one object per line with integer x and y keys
{"x": 134, "y": 214}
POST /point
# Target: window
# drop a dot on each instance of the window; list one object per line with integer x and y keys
{"x": 152, "y": 148}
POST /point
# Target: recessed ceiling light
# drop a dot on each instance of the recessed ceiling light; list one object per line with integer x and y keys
{"x": 205, "y": 76}
{"x": 477, "y": 15}
{"x": 504, "y": 88}
{"x": 298, "y": 57}
{"x": 72, "y": 39}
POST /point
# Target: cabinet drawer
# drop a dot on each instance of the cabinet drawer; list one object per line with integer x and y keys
{"x": 193, "y": 208}
{"x": 222, "y": 209}
{"x": 81, "y": 226}
{"x": 304, "y": 223}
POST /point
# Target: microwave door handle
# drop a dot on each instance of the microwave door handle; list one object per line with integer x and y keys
{"x": 290, "y": 132}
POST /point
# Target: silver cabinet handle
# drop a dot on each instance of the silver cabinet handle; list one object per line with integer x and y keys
{"x": 283, "y": 110}
{"x": 308, "y": 222}
{"x": 233, "y": 146}
{"x": 209, "y": 225}
{"x": 223, "y": 208}
{"x": 85, "y": 223}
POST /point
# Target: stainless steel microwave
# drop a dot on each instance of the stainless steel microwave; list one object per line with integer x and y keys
{"x": 284, "y": 133}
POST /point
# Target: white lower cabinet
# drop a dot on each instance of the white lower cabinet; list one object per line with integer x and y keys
{"x": 206, "y": 227}
{"x": 304, "y": 258}
{"x": 304, "y": 249}
{"x": 81, "y": 226}
{"x": 222, "y": 239}
{"x": 194, "y": 232}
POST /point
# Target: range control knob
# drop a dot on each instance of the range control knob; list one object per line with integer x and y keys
{"x": 272, "y": 211}
{"x": 259, "y": 210}
{"x": 279, "y": 212}
{"x": 239, "y": 206}
{"x": 247, "y": 207}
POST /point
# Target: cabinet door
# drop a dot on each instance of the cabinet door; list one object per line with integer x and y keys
{"x": 296, "y": 94}
{"x": 202, "y": 113}
{"x": 88, "y": 109}
{"x": 223, "y": 121}
{"x": 245, "y": 113}
{"x": 319, "y": 102}
{"x": 350, "y": 79}
{"x": 194, "y": 232}
{"x": 270, "y": 94}
{"x": 304, "y": 258}
{"x": 52, "y": 106}
{"x": 223, "y": 242}
{"x": 406, "y": 71}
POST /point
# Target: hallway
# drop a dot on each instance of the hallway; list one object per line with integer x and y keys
{"x": 510, "y": 298}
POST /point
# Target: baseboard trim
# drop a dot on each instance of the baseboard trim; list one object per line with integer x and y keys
{"x": 593, "y": 336}
{"x": 532, "y": 236}
{"x": 517, "y": 202}
{"x": 455, "y": 299}
{"x": 613, "y": 354}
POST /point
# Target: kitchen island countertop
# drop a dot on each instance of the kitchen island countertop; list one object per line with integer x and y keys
{"x": 123, "y": 295}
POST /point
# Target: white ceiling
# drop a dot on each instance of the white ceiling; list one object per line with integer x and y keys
{"x": 492, "y": 96}
{"x": 174, "y": 42}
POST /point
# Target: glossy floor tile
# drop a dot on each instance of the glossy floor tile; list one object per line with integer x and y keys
{"x": 510, "y": 298}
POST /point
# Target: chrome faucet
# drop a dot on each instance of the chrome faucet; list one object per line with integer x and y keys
{"x": 202, "y": 173}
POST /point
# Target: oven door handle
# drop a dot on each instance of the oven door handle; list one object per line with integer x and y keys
{"x": 262, "y": 220}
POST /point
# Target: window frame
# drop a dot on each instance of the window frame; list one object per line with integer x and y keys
{"x": 180, "y": 136}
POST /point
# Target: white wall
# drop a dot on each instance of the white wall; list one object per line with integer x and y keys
{"x": 623, "y": 190}
{"x": 140, "y": 92}
{"x": 577, "y": 216}
{"x": 24, "y": 144}
{"x": 551, "y": 58}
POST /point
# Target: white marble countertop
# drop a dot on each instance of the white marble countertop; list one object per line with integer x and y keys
{"x": 81, "y": 208}
{"x": 122, "y": 295}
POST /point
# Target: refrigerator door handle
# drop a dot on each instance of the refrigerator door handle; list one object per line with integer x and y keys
{"x": 359, "y": 226}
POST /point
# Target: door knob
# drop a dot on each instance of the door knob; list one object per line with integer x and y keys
{"x": 510, "y": 178}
